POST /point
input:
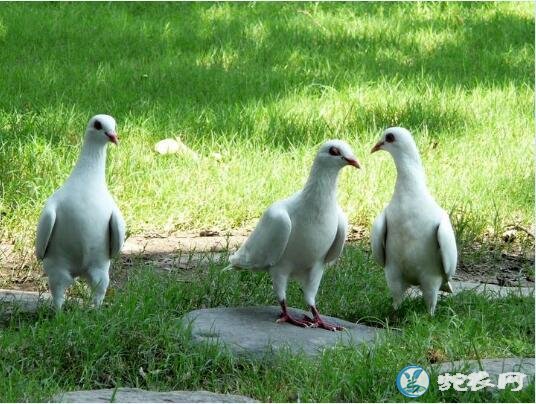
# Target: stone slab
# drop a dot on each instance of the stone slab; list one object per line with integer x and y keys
{"x": 25, "y": 301}
{"x": 253, "y": 331}
{"x": 129, "y": 395}
{"x": 489, "y": 289}
{"x": 494, "y": 367}
{"x": 492, "y": 289}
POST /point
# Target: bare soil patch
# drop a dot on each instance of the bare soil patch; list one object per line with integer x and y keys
{"x": 508, "y": 269}
{"x": 509, "y": 264}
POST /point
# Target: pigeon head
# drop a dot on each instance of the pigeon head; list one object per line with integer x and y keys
{"x": 337, "y": 153}
{"x": 101, "y": 129}
{"x": 397, "y": 141}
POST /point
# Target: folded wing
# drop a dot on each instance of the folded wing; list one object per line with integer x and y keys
{"x": 378, "y": 237}
{"x": 447, "y": 246}
{"x": 266, "y": 245}
{"x": 117, "y": 232}
{"x": 338, "y": 244}
{"x": 44, "y": 230}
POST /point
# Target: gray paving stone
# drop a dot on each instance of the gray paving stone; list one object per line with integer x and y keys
{"x": 253, "y": 331}
{"x": 490, "y": 289}
{"x": 24, "y": 301}
{"x": 128, "y": 395}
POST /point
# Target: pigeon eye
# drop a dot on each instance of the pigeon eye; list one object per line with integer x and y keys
{"x": 97, "y": 125}
{"x": 389, "y": 138}
{"x": 334, "y": 151}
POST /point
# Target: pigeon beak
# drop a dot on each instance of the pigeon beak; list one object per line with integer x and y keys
{"x": 377, "y": 146}
{"x": 352, "y": 161}
{"x": 112, "y": 137}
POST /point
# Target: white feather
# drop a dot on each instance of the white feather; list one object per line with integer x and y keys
{"x": 379, "y": 231}
{"x": 297, "y": 236}
{"x": 412, "y": 238}
{"x": 81, "y": 227}
{"x": 447, "y": 246}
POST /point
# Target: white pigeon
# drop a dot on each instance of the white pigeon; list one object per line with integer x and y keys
{"x": 412, "y": 238}
{"x": 296, "y": 237}
{"x": 81, "y": 227}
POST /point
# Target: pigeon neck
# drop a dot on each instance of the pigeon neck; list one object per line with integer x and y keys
{"x": 410, "y": 174}
{"x": 321, "y": 185}
{"x": 91, "y": 164}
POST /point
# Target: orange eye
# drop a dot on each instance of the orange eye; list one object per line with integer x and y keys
{"x": 334, "y": 151}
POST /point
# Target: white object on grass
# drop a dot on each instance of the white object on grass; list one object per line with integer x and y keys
{"x": 412, "y": 238}
{"x": 81, "y": 227}
{"x": 298, "y": 236}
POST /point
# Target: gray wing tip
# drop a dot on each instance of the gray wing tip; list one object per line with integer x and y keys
{"x": 447, "y": 287}
{"x": 235, "y": 262}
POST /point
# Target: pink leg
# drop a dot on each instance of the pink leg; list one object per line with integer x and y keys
{"x": 285, "y": 317}
{"x": 317, "y": 321}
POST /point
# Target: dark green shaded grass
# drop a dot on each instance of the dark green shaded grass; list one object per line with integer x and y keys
{"x": 82, "y": 348}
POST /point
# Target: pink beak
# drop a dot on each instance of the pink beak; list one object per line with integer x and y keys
{"x": 377, "y": 146}
{"x": 112, "y": 136}
{"x": 352, "y": 162}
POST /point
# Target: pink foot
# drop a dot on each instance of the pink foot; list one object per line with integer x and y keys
{"x": 327, "y": 326}
{"x": 287, "y": 318}
{"x": 317, "y": 322}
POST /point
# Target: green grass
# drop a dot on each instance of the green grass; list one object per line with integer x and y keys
{"x": 264, "y": 84}
{"x": 138, "y": 328}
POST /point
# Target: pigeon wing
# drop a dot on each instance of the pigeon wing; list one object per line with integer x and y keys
{"x": 378, "y": 237}
{"x": 338, "y": 244}
{"x": 117, "y": 230}
{"x": 447, "y": 246}
{"x": 44, "y": 230}
{"x": 266, "y": 245}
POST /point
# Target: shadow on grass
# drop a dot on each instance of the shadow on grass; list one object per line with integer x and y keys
{"x": 201, "y": 65}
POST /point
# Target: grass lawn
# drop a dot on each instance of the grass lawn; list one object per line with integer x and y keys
{"x": 85, "y": 349}
{"x": 264, "y": 84}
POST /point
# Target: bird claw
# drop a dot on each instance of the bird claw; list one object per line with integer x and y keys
{"x": 308, "y": 319}
{"x": 308, "y": 322}
{"x": 328, "y": 326}
{"x": 287, "y": 318}
{"x": 319, "y": 323}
